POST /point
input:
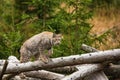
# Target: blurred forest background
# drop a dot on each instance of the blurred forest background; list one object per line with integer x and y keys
{"x": 92, "y": 22}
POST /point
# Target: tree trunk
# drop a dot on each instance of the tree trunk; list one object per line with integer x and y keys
{"x": 100, "y": 75}
{"x": 64, "y": 61}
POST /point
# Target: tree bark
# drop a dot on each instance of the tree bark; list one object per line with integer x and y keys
{"x": 88, "y": 48}
{"x": 3, "y": 70}
{"x": 100, "y": 75}
{"x": 41, "y": 74}
{"x": 64, "y": 61}
{"x": 84, "y": 70}
{"x": 66, "y": 69}
{"x": 44, "y": 75}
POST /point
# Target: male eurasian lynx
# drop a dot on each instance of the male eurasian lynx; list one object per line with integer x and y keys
{"x": 37, "y": 46}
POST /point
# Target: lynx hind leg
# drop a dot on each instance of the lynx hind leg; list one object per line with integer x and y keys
{"x": 37, "y": 56}
{"x": 24, "y": 55}
{"x": 44, "y": 58}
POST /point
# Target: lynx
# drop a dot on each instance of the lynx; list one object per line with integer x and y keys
{"x": 38, "y": 45}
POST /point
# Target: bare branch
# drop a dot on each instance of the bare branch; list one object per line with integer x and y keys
{"x": 11, "y": 59}
{"x": 44, "y": 75}
{"x": 4, "y": 69}
{"x": 84, "y": 70}
{"x": 64, "y": 61}
{"x": 100, "y": 75}
{"x": 88, "y": 48}
{"x": 66, "y": 69}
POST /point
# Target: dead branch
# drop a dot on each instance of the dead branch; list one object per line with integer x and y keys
{"x": 64, "y": 61}
{"x": 11, "y": 59}
{"x": 41, "y": 74}
{"x": 100, "y": 75}
{"x": 84, "y": 70}
{"x": 44, "y": 75}
{"x": 66, "y": 69}
{"x": 88, "y": 48}
{"x": 4, "y": 69}
{"x": 17, "y": 77}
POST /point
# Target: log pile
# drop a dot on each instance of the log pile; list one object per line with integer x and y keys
{"x": 93, "y": 65}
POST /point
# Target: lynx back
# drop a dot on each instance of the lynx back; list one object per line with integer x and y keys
{"x": 38, "y": 45}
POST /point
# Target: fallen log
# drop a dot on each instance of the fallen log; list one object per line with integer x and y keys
{"x": 84, "y": 70}
{"x": 88, "y": 48}
{"x": 3, "y": 70}
{"x": 100, "y": 75}
{"x": 64, "y": 61}
{"x": 44, "y": 75}
{"x": 66, "y": 69}
{"x": 41, "y": 74}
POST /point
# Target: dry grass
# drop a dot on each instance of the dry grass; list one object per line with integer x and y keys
{"x": 103, "y": 23}
{"x": 103, "y": 20}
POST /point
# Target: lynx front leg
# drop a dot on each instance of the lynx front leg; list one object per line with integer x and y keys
{"x": 24, "y": 55}
{"x": 50, "y": 52}
{"x": 44, "y": 58}
{"x": 24, "y": 58}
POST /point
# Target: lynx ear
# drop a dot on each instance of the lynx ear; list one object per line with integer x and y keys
{"x": 57, "y": 35}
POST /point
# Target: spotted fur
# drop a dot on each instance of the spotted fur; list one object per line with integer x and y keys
{"x": 37, "y": 46}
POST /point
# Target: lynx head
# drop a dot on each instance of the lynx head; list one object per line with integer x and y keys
{"x": 56, "y": 40}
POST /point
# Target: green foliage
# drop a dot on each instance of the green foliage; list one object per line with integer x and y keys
{"x": 10, "y": 34}
{"x": 10, "y": 44}
{"x": 77, "y": 32}
{"x": 28, "y": 17}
